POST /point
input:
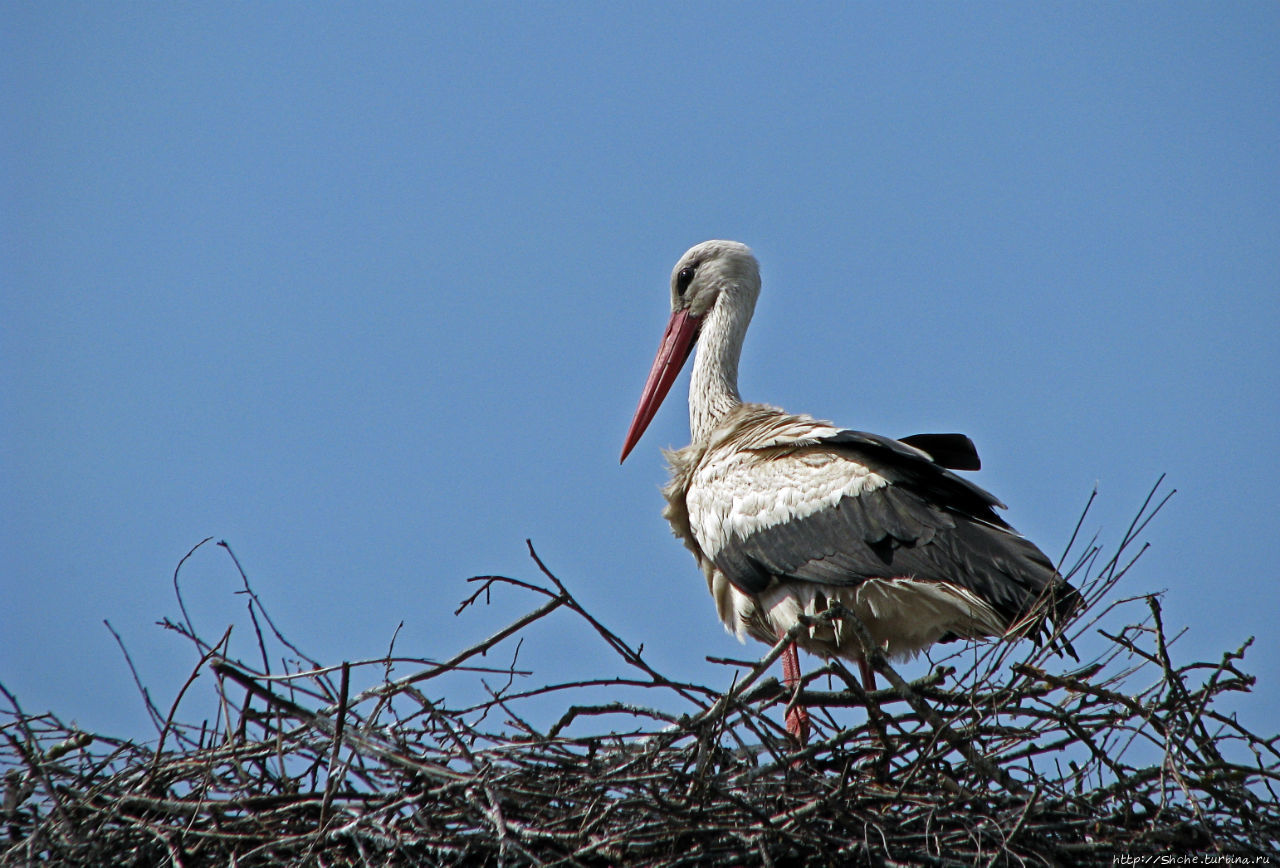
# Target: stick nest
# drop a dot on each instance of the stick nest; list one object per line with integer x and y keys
{"x": 1003, "y": 754}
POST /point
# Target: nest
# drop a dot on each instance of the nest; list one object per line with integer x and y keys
{"x": 1001, "y": 754}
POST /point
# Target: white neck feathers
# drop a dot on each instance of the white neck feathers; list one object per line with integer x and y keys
{"x": 713, "y": 387}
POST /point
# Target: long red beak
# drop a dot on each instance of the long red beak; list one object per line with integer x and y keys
{"x": 677, "y": 342}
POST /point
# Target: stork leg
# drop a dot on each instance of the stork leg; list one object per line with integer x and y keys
{"x": 797, "y": 717}
{"x": 873, "y": 717}
{"x": 868, "y": 675}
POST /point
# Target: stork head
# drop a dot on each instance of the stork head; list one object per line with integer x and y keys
{"x": 709, "y": 275}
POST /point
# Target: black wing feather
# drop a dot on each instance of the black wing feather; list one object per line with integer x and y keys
{"x": 955, "y": 451}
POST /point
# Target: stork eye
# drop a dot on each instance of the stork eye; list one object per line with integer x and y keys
{"x": 684, "y": 278}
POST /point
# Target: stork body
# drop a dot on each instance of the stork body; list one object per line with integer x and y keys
{"x": 787, "y": 515}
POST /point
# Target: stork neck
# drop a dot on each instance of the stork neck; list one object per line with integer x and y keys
{"x": 713, "y": 386}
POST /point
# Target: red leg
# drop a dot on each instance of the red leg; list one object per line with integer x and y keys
{"x": 798, "y": 717}
{"x": 873, "y": 713}
{"x": 868, "y": 675}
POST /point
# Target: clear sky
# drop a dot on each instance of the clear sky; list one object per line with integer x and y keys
{"x": 370, "y": 290}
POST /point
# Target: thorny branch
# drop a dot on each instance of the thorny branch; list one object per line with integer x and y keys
{"x": 999, "y": 756}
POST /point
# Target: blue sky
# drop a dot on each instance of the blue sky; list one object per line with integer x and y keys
{"x": 370, "y": 291}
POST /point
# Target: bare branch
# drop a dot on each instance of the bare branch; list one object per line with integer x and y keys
{"x": 1001, "y": 755}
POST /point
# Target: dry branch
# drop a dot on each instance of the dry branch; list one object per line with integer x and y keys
{"x": 999, "y": 756}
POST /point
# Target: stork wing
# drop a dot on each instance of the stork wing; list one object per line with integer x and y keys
{"x": 955, "y": 451}
{"x": 896, "y": 512}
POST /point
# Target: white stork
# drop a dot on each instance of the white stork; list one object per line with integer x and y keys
{"x": 787, "y": 514}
